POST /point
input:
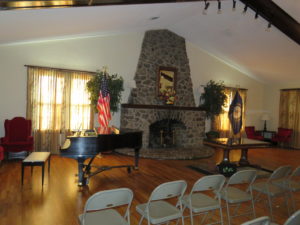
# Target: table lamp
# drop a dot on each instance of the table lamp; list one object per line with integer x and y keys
{"x": 265, "y": 117}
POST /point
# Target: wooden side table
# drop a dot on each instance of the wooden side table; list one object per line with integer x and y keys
{"x": 36, "y": 159}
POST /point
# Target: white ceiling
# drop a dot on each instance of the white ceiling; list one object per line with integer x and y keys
{"x": 238, "y": 39}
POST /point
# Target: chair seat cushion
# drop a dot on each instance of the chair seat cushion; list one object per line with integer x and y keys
{"x": 235, "y": 195}
{"x": 160, "y": 211}
{"x": 201, "y": 202}
{"x": 265, "y": 188}
{"x": 37, "y": 157}
{"x": 103, "y": 217}
{"x": 20, "y": 143}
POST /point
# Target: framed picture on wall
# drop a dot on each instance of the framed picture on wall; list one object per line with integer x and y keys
{"x": 166, "y": 80}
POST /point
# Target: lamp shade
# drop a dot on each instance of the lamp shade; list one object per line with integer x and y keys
{"x": 265, "y": 116}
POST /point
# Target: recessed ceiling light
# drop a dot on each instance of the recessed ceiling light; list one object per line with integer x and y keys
{"x": 154, "y": 18}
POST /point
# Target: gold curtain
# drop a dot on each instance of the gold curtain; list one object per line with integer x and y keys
{"x": 289, "y": 114}
{"x": 57, "y": 102}
{"x": 221, "y": 122}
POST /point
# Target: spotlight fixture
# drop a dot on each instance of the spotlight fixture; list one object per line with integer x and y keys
{"x": 219, "y": 7}
{"x": 256, "y": 14}
{"x": 245, "y": 9}
{"x": 269, "y": 27}
{"x": 206, "y": 5}
{"x": 233, "y": 5}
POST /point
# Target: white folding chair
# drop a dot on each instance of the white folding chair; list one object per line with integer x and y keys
{"x": 158, "y": 209}
{"x": 264, "y": 220}
{"x": 238, "y": 190}
{"x": 100, "y": 208}
{"x": 205, "y": 197}
{"x": 271, "y": 187}
{"x": 293, "y": 219}
{"x": 292, "y": 184}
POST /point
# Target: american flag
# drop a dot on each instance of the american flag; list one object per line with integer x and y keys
{"x": 103, "y": 106}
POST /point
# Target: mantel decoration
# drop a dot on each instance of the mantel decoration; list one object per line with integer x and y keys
{"x": 115, "y": 87}
{"x": 213, "y": 99}
{"x": 168, "y": 96}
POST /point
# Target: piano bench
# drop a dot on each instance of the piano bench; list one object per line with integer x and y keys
{"x": 36, "y": 159}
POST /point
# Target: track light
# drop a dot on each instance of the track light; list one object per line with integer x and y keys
{"x": 256, "y": 14}
{"x": 206, "y": 5}
{"x": 269, "y": 27}
{"x": 219, "y": 7}
{"x": 233, "y": 5}
{"x": 245, "y": 9}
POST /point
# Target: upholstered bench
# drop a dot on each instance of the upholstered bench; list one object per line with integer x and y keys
{"x": 36, "y": 159}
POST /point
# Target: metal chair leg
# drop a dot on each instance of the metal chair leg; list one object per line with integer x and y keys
{"x": 270, "y": 206}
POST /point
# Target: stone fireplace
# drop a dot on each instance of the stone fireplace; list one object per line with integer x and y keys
{"x": 188, "y": 128}
{"x": 180, "y": 125}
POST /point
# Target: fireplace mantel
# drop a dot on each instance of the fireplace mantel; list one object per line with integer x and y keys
{"x": 168, "y": 107}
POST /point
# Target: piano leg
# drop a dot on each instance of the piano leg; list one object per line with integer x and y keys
{"x": 81, "y": 178}
{"x": 136, "y": 158}
{"x": 88, "y": 166}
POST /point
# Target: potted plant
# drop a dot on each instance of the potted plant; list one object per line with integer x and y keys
{"x": 213, "y": 100}
{"x": 115, "y": 86}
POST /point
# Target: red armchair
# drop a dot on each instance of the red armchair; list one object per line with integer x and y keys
{"x": 283, "y": 135}
{"x": 1, "y": 153}
{"x": 17, "y": 135}
{"x": 252, "y": 134}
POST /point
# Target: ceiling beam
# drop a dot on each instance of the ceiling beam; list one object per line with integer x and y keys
{"x": 35, "y": 4}
{"x": 276, "y": 16}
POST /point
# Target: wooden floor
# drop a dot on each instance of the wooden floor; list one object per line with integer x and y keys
{"x": 60, "y": 200}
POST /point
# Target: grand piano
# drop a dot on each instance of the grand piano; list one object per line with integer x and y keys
{"x": 84, "y": 147}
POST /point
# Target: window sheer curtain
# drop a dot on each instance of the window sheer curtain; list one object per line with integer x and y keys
{"x": 221, "y": 122}
{"x": 57, "y": 102}
{"x": 289, "y": 114}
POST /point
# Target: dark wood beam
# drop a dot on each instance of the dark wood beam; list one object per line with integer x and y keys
{"x": 276, "y": 16}
{"x": 31, "y": 4}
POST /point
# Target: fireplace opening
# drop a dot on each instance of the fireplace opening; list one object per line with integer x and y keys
{"x": 166, "y": 133}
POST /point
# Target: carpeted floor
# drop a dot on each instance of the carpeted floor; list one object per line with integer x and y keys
{"x": 171, "y": 153}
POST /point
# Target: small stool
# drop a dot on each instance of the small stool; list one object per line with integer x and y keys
{"x": 36, "y": 159}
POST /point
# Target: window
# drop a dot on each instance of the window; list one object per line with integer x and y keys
{"x": 57, "y": 103}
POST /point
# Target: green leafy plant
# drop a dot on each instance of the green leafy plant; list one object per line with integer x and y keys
{"x": 115, "y": 86}
{"x": 213, "y": 98}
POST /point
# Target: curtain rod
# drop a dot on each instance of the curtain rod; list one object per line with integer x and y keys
{"x": 290, "y": 89}
{"x": 68, "y": 70}
{"x": 237, "y": 88}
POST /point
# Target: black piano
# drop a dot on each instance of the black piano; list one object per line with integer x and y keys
{"x": 88, "y": 147}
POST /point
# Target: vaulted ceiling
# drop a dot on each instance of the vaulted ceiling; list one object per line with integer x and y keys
{"x": 235, "y": 37}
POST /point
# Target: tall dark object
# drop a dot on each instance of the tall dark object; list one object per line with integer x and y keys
{"x": 235, "y": 113}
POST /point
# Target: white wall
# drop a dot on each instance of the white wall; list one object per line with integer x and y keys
{"x": 120, "y": 53}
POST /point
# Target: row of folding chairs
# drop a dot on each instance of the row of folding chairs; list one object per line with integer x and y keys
{"x": 205, "y": 197}
{"x": 282, "y": 182}
{"x": 265, "y": 220}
